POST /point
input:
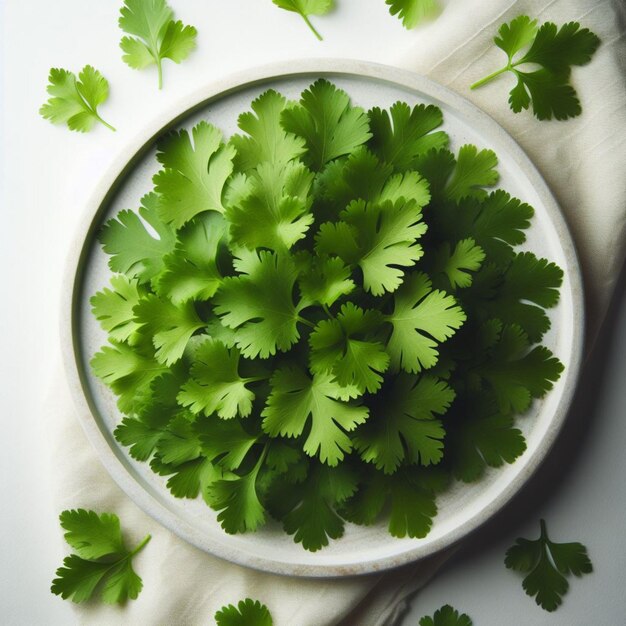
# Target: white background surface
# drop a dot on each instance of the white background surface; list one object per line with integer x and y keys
{"x": 47, "y": 173}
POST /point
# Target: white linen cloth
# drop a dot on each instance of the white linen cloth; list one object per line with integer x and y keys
{"x": 583, "y": 161}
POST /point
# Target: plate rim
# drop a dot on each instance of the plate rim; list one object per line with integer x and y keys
{"x": 124, "y": 161}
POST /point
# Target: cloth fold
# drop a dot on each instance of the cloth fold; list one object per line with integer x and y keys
{"x": 583, "y": 162}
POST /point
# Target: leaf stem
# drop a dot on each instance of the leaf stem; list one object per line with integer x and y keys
{"x": 105, "y": 123}
{"x": 491, "y": 76}
{"x": 305, "y": 321}
{"x": 141, "y": 546}
{"x": 308, "y": 23}
{"x": 160, "y": 72}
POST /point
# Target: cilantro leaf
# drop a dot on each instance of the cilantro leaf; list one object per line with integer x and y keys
{"x": 402, "y": 134}
{"x": 555, "y": 50}
{"x": 516, "y": 373}
{"x": 378, "y": 238}
{"x": 359, "y": 176}
{"x": 225, "y": 443}
{"x": 304, "y": 8}
{"x": 474, "y": 170}
{"x": 191, "y": 271}
{"x": 102, "y": 561}
{"x": 412, "y": 12}
{"x": 194, "y": 174}
{"x": 248, "y": 612}
{"x": 276, "y": 213}
{"x": 169, "y": 326}
{"x": 237, "y": 500}
{"x": 296, "y": 397}
{"x": 409, "y": 496}
{"x": 134, "y": 250}
{"x": 309, "y": 509}
{"x": 456, "y": 264}
{"x": 482, "y": 438}
{"x": 404, "y": 427}
{"x": 446, "y": 616}
{"x": 259, "y": 305}
{"x": 142, "y": 438}
{"x": 325, "y": 280}
{"x": 265, "y": 139}
{"x": 128, "y": 371}
{"x": 421, "y": 318}
{"x": 75, "y": 101}
{"x": 215, "y": 385}
{"x": 327, "y": 122}
{"x": 156, "y": 36}
{"x": 113, "y": 308}
{"x": 92, "y": 536}
{"x": 547, "y": 564}
{"x": 179, "y": 443}
{"x": 336, "y": 349}
{"x": 529, "y": 284}
{"x": 190, "y": 478}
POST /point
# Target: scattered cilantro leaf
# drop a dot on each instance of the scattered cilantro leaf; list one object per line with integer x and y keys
{"x": 421, "y": 318}
{"x": 304, "y": 8}
{"x": 248, "y": 612}
{"x": 555, "y": 50}
{"x": 547, "y": 564}
{"x": 194, "y": 174}
{"x": 330, "y": 126}
{"x": 446, "y": 616}
{"x": 102, "y": 564}
{"x": 412, "y": 12}
{"x": 296, "y": 397}
{"x": 75, "y": 101}
{"x": 155, "y": 35}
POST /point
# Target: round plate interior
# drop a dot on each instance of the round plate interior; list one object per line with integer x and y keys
{"x": 361, "y": 550}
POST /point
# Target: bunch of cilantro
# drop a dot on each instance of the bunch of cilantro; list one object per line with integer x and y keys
{"x": 324, "y": 318}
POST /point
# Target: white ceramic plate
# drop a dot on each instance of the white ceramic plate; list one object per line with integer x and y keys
{"x": 361, "y": 550}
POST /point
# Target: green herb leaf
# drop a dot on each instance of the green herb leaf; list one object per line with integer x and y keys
{"x": 404, "y": 428}
{"x": 421, "y": 318}
{"x": 306, "y": 8}
{"x": 547, "y": 563}
{"x": 156, "y": 36}
{"x": 295, "y": 398}
{"x": 248, "y": 612}
{"x": 446, "y": 616}
{"x": 101, "y": 563}
{"x": 412, "y": 12}
{"x": 134, "y": 250}
{"x": 215, "y": 385}
{"x": 259, "y": 305}
{"x": 75, "y": 102}
{"x": 555, "y": 50}
{"x": 194, "y": 174}
{"x": 330, "y": 126}
{"x": 378, "y": 238}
